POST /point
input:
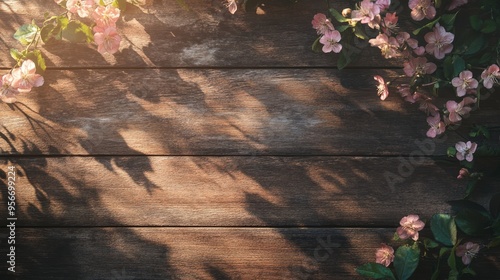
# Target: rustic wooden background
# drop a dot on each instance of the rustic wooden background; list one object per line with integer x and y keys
{"x": 213, "y": 146}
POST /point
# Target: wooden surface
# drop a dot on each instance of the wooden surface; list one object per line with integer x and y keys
{"x": 215, "y": 146}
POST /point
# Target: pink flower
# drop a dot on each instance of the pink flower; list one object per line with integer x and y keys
{"x": 410, "y": 226}
{"x": 106, "y": 16}
{"x": 390, "y": 23}
{"x": 382, "y": 89}
{"x": 463, "y": 173}
{"x": 426, "y": 105}
{"x": 107, "y": 39}
{"x": 82, "y": 7}
{"x": 421, "y": 9}
{"x": 330, "y": 41}
{"x": 490, "y": 76}
{"x": 419, "y": 66}
{"x": 8, "y": 93}
{"x": 384, "y": 255}
{"x": 404, "y": 37}
{"x": 232, "y": 6}
{"x": 456, "y": 3}
{"x": 467, "y": 251}
{"x": 25, "y": 77}
{"x": 383, "y": 4}
{"x": 439, "y": 42}
{"x": 407, "y": 94}
{"x": 368, "y": 13}
{"x": 322, "y": 24}
{"x": 388, "y": 45}
{"x": 437, "y": 126}
{"x": 459, "y": 110}
{"x": 463, "y": 82}
{"x": 465, "y": 150}
{"x": 419, "y": 50}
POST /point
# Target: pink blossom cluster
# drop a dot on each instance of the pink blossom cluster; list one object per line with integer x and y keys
{"x": 467, "y": 251}
{"x": 330, "y": 37}
{"x": 19, "y": 80}
{"x": 105, "y": 17}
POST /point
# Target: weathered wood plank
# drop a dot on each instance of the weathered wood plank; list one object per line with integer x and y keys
{"x": 208, "y": 112}
{"x": 230, "y": 191}
{"x": 205, "y": 253}
{"x": 166, "y": 35}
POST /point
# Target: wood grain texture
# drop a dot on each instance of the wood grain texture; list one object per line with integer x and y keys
{"x": 215, "y": 112}
{"x": 231, "y": 191}
{"x": 206, "y": 253}
{"x": 166, "y": 35}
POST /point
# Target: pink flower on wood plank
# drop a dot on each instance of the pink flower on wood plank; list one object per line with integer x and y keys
{"x": 463, "y": 82}
{"x": 410, "y": 226}
{"x": 388, "y": 45}
{"x": 421, "y": 9}
{"x": 107, "y": 39}
{"x": 82, "y": 7}
{"x": 390, "y": 24}
{"x": 490, "y": 76}
{"x": 383, "y": 4}
{"x": 25, "y": 77}
{"x": 467, "y": 251}
{"x": 368, "y": 13}
{"x": 437, "y": 126}
{"x": 459, "y": 110}
{"x": 384, "y": 255}
{"x": 382, "y": 89}
{"x": 439, "y": 42}
{"x": 465, "y": 150}
{"x": 8, "y": 93}
{"x": 330, "y": 41}
{"x": 322, "y": 24}
{"x": 106, "y": 16}
{"x": 419, "y": 66}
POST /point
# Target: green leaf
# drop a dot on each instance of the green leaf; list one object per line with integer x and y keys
{"x": 472, "y": 222}
{"x": 468, "y": 270}
{"x": 37, "y": 58}
{"x": 15, "y": 54}
{"x": 344, "y": 60}
{"x": 471, "y": 184}
{"x": 429, "y": 25}
{"x": 451, "y": 152}
{"x": 452, "y": 263}
{"x": 458, "y": 65}
{"x": 52, "y": 28}
{"x": 442, "y": 252}
{"x": 444, "y": 229}
{"x": 406, "y": 261}
{"x": 448, "y": 20}
{"x": 475, "y": 45}
{"x": 360, "y": 33}
{"x": 495, "y": 205}
{"x": 429, "y": 243}
{"x": 342, "y": 28}
{"x": 120, "y": 4}
{"x": 489, "y": 26}
{"x": 375, "y": 271}
{"x": 78, "y": 32}
{"x": 316, "y": 46}
{"x": 476, "y": 22}
{"x": 494, "y": 243}
{"x": 26, "y": 34}
{"x": 338, "y": 16}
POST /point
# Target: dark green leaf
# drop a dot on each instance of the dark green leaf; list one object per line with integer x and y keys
{"x": 375, "y": 271}
{"x": 458, "y": 65}
{"x": 338, "y": 16}
{"x": 406, "y": 261}
{"x": 342, "y": 28}
{"x": 453, "y": 274}
{"x": 344, "y": 60}
{"x": 495, "y": 205}
{"x": 463, "y": 204}
{"x": 494, "y": 243}
{"x": 476, "y": 22}
{"x": 316, "y": 46}
{"x": 444, "y": 229}
{"x": 430, "y": 244}
{"x": 471, "y": 184}
{"x": 448, "y": 20}
{"x": 429, "y": 25}
{"x": 489, "y": 26}
{"x": 78, "y": 32}
{"x": 472, "y": 222}
{"x": 26, "y": 33}
{"x": 360, "y": 33}
{"x": 468, "y": 270}
{"x": 442, "y": 252}
{"x": 475, "y": 45}
{"x": 452, "y": 263}
{"x": 448, "y": 74}
{"x": 451, "y": 152}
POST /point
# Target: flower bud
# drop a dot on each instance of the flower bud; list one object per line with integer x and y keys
{"x": 346, "y": 12}
{"x": 463, "y": 173}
